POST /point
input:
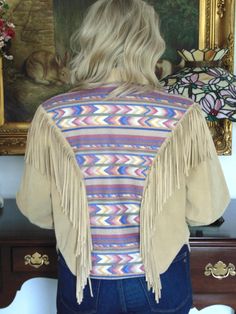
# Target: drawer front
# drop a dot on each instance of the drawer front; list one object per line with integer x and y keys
{"x": 213, "y": 270}
{"x": 34, "y": 259}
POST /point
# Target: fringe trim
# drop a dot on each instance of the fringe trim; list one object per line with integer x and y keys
{"x": 189, "y": 144}
{"x": 49, "y": 152}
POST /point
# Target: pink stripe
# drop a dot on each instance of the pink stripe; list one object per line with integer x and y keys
{"x": 117, "y": 236}
{"x": 112, "y": 186}
{"x": 116, "y": 136}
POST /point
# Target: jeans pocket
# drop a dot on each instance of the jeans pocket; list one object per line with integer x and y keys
{"x": 176, "y": 292}
{"x": 66, "y": 292}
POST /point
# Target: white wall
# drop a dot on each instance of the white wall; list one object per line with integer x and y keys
{"x": 37, "y": 296}
{"x": 11, "y": 169}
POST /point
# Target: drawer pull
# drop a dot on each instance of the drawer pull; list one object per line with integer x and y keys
{"x": 220, "y": 270}
{"x": 37, "y": 260}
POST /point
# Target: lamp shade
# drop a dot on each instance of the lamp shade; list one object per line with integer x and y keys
{"x": 203, "y": 54}
{"x": 206, "y": 82}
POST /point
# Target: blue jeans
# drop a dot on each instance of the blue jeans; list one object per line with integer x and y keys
{"x": 129, "y": 296}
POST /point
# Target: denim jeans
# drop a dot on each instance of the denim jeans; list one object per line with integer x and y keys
{"x": 130, "y": 296}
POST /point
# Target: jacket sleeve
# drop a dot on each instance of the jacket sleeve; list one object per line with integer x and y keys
{"x": 34, "y": 198}
{"x": 34, "y": 195}
{"x": 207, "y": 192}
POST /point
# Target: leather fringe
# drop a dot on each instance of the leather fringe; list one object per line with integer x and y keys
{"x": 49, "y": 152}
{"x": 189, "y": 144}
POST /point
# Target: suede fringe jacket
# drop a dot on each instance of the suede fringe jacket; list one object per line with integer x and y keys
{"x": 184, "y": 186}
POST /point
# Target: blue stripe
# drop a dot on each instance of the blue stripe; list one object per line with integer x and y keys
{"x": 114, "y": 127}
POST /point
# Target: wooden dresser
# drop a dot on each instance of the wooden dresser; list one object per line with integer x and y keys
{"x": 20, "y": 244}
{"x": 27, "y": 251}
{"x": 213, "y": 262}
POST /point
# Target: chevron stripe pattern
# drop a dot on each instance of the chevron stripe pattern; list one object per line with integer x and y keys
{"x": 116, "y": 220}
{"x": 117, "y": 120}
{"x": 111, "y": 208}
{"x": 115, "y": 142}
{"x": 114, "y": 270}
{"x": 114, "y": 159}
{"x": 121, "y": 109}
{"x": 132, "y": 171}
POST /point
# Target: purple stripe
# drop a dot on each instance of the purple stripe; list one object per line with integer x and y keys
{"x": 112, "y": 240}
{"x": 114, "y": 186}
{"x": 116, "y": 189}
{"x": 119, "y": 139}
{"x": 77, "y": 95}
{"x": 103, "y": 90}
{"x": 117, "y": 247}
{"x": 115, "y": 236}
{"x": 117, "y": 136}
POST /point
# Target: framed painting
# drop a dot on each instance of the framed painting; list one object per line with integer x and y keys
{"x": 40, "y": 66}
{"x": 1, "y": 95}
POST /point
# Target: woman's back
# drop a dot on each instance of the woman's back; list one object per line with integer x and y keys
{"x": 115, "y": 142}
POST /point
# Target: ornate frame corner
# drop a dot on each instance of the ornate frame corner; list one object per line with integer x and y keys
{"x": 221, "y": 131}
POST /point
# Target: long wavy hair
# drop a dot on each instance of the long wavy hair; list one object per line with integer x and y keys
{"x": 120, "y": 37}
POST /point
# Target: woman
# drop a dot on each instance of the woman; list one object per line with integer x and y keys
{"x": 119, "y": 168}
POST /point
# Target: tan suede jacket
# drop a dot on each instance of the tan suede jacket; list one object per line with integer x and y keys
{"x": 185, "y": 186}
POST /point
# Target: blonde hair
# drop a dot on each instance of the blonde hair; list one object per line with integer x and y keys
{"x": 120, "y": 36}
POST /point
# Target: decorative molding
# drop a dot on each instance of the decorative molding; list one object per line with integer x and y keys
{"x": 208, "y": 24}
{"x": 13, "y": 139}
{"x": 221, "y": 131}
{"x": 229, "y": 58}
{"x": 221, "y": 8}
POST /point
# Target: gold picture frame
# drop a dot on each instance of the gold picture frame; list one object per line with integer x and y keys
{"x": 1, "y": 96}
{"x": 12, "y": 135}
{"x": 216, "y": 29}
